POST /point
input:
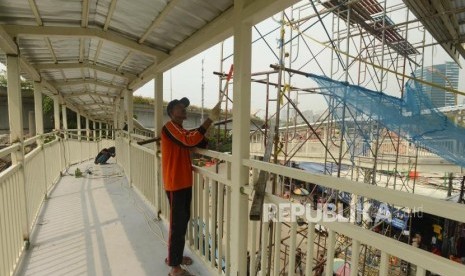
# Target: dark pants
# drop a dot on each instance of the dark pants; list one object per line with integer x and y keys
{"x": 102, "y": 159}
{"x": 180, "y": 209}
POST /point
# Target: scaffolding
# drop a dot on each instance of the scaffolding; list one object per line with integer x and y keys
{"x": 369, "y": 44}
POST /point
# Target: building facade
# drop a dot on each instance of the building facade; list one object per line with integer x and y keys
{"x": 446, "y": 75}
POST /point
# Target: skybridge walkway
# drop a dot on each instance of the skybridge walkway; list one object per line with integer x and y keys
{"x": 106, "y": 222}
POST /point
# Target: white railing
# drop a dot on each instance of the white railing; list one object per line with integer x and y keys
{"x": 209, "y": 232}
{"x": 143, "y": 171}
{"x": 12, "y": 217}
{"x": 210, "y": 202}
{"x": 25, "y": 184}
{"x": 358, "y": 236}
{"x": 23, "y": 187}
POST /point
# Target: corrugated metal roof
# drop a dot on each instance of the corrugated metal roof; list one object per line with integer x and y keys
{"x": 100, "y": 47}
{"x": 444, "y": 20}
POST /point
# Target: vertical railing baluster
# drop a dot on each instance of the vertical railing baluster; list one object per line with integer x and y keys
{"x": 384, "y": 264}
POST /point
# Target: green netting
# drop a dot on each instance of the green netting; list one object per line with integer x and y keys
{"x": 412, "y": 117}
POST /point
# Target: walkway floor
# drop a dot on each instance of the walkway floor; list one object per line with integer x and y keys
{"x": 97, "y": 225}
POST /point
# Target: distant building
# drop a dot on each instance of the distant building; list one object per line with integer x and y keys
{"x": 446, "y": 75}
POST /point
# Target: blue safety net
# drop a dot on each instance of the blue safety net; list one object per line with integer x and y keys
{"x": 412, "y": 117}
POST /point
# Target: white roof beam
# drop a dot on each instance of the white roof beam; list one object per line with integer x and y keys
{"x": 81, "y": 50}
{"x": 159, "y": 19}
{"x": 35, "y": 11}
{"x": 75, "y": 95}
{"x": 86, "y": 64}
{"x": 85, "y": 81}
{"x": 50, "y": 48}
{"x": 97, "y": 52}
{"x": 104, "y": 105}
{"x": 7, "y": 44}
{"x": 258, "y": 10}
{"x": 120, "y": 67}
{"x": 214, "y": 32}
{"x": 51, "y": 31}
{"x": 85, "y": 14}
{"x": 110, "y": 12}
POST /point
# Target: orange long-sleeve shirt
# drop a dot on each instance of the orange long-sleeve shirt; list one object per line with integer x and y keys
{"x": 176, "y": 161}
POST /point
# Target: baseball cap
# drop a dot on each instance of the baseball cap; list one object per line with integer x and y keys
{"x": 185, "y": 101}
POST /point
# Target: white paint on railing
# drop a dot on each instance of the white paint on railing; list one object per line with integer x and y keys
{"x": 264, "y": 250}
{"x": 310, "y": 248}
{"x": 429, "y": 205}
{"x": 277, "y": 247}
{"x": 384, "y": 264}
{"x": 253, "y": 227}
{"x": 330, "y": 253}
{"x": 355, "y": 258}
{"x": 221, "y": 219}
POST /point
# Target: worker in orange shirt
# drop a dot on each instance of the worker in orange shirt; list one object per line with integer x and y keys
{"x": 176, "y": 143}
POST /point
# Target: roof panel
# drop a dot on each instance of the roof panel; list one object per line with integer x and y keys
{"x": 59, "y": 12}
{"x": 132, "y": 18}
{"x": 16, "y": 12}
{"x": 105, "y": 52}
{"x": 35, "y": 50}
{"x": 65, "y": 49}
{"x": 137, "y": 63}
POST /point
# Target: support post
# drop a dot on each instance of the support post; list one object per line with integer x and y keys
{"x": 15, "y": 116}
{"x": 32, "y": 124}
{"x": 129, "y": 113}
{"x": 115, "y": 118}
{"x": 121, "y": 112}
{"x": 100, "y": 124}
{"x": 56, "y": 112}
{"x": 78, "y": 123}
{"x": 65, "y": 120}
{"x": 129, "y": 110}
{"x": 38, "y": 109}
{"x": 158, "y": 124}
{"x": 87, "y": 129}
{"x": 94, "y": 131}
{"x": 64, "y": 116}
{"x": 241, "y": 139}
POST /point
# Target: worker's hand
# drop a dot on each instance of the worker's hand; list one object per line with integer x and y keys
{"x": 215, "y": 112}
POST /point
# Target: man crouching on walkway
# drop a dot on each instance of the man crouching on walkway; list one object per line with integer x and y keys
{"x": 177, "y": 176}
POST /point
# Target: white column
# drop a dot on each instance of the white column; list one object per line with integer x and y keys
{"x": 15, "y": 116}
{"x": 56, "y": 112}
{"x": 65, "y": 120}
{"x": 87, "y": 129}
{"x": 94, "y": 132}
{"x": 39, "y": 115}
{"x": 241, "y": 140}
{"x": 115, "y": 118}
{"x": 129, "y": 110}
{"x": 79, "y": 133}
{"x": 121, "y": 113}
{"x": 78, "y": 121}
{"x": 100, "y": 129}
{"x": 32, "y": 124}
{"x": 158, "y": 124}
{"x": 15, "y": 106}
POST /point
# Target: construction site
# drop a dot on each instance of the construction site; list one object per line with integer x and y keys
{"x": 383, "y": 134}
